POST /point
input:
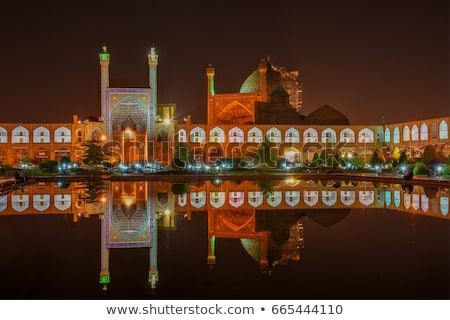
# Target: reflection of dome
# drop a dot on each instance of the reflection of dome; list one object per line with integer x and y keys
{"x": 128, "y": 123}
{"x": 253, "y": 248}
{"x": 327, "y": 218}
{"x": 326, "y": 115}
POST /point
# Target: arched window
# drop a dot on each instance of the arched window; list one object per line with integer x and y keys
{"x": 328, "y": 136}
{"x": 197, "y": 135}
{"x": 365, "y": 136}
{"x": 347, "y": 135}
{"x": 387, "y": 135}
{"x": 406, "y": 133}
{"x": 182, "y": 135}
{"x": 274, "y": 135}
{"x": 254, "y": 135}
{"x": 236, "y": 135}
{"x": 415, "y": 133}
{"x": 443, "y": 130}
{"x": 217, "y": 135}
{"x": 310, "y": 135}
{"x": 423, "y": 132}
{"x": 396, "y": 135}
{"x": 41, "y": 135}
{"x": 433, "y": 131}
{"x": 20, "y": 135}
{"x": 3, "y": 135}
{"x": 62, "y": 135}
{"x": 292, "y": 135}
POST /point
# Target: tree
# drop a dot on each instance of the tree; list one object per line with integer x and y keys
{"x": 93, "y": 155}
{"x": 49, "y": 166}
{"x": 377, "y": 159}
{"x": 403, "y": 161}
{"x": 430, "y": 157}
{"x": 358, "y": 161}
{"x": 268, "y": 153}
{"x": 181, "y": 157}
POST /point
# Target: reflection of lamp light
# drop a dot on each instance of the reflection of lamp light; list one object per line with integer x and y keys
{"x": 166, "y": 121}
{"x": 291, "y": 182}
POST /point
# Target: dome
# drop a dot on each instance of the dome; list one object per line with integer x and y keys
{"x": 251, "y": 84}
{"x": 326, "y": 115}
{"x": 276, "y": 76}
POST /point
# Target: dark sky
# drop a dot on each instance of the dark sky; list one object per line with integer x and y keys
{"x": 367, "y": 59}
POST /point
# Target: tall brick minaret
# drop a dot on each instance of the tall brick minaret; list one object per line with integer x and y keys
{"x": 210, "y": 72}
{"x": 104, "y": 83}
{"x": 153, "y": 78}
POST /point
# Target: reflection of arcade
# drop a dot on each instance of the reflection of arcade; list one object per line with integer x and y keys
{"x": 266, "y": 217}
{"x": 268, "y": 243}
{"x": 270, "y": 236}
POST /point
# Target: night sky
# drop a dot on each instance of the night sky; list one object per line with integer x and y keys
{"x": 367, "y": 59}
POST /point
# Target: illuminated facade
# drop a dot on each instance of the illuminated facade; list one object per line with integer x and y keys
{"x": 133, "y": 127}
{"x": 47, "y": 141}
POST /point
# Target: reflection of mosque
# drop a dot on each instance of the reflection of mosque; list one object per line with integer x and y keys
{"x": 266, "y": 217}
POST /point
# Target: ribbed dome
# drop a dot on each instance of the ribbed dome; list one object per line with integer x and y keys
{"x": 328, "y": 116}
{"x": 251, "y": 84}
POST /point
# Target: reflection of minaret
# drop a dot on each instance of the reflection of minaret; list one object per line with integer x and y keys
{"x": 104, "y": 252}
{"x": 211, "y": 260}
{"x": 153, "y": 275}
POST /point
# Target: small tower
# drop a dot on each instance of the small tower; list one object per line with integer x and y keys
{"x": 153, "y": 79}
{"x": 210, "y": 72}
{"x": 104, "y": 63}
{"x": 262, "y": 79}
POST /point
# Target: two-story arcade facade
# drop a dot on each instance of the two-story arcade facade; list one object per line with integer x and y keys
{"x": 134, "y": 127}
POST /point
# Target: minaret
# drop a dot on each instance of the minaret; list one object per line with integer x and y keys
{"x": 153, "y": 79}
{"x": 104, "y": 63}
{"x": 210, "y": 72}
{"x": 153, "y": 274}
{"x": 262, "y": 80}
{"x": 104, "y": 253}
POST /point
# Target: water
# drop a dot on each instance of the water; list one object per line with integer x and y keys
{"x": 295, "y": 240}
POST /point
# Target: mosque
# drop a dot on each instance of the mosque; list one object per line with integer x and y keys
{"x": 133, "y": 127}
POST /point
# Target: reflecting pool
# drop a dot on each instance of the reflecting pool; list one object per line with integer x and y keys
{"x": 290, "y": 239}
